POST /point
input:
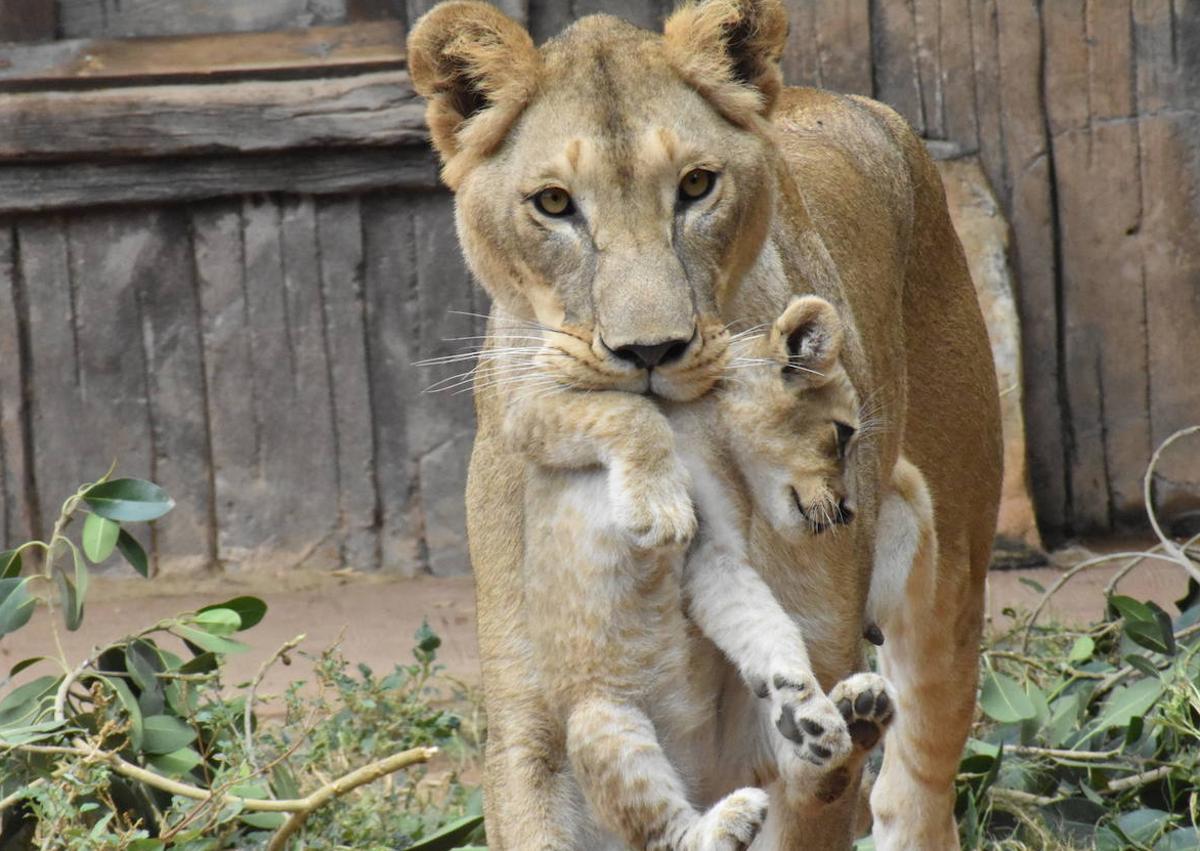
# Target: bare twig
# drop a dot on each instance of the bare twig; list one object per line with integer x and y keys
{"x": 254, "y": 684}
{"x": 1172, "y": 548}
{"x": 1135, "y": 780}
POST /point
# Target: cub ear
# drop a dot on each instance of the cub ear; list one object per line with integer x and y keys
{"x": 478, "y": 70}
{"x": 809, "y": 334}
{"x": 729, "y": 51}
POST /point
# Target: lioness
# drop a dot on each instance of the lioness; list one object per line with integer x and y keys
{"x": 606, "y": 592}
{"x": 630, "y": 192}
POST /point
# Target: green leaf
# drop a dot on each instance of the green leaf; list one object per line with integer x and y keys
{"x": 284, "y": 782}
{"x": 133, "y": 553}
{"x": 449, "y": 837}
{"x": 143, "y": 663}
{"x": 1130, "y": 609}
{"x": 10, "y": 564}
{"x": 1003, "y": 699}
{"x": 16, "y": 604}
{"x": 250, "y": 609}
{"x": 1064, "y": 717}
{"x": 71, "y": 592}
{"x": 1183, "y": 603}
{"x": 1142, "y": 664}
{"x": 1126, "y": 702}
{"x": 208, "y": 641}
{"x": 99, "y": 537}
{"x": 200, "y": 664}
{"x": 1036, "y": 586}
{"x": 81, "y": 587}
{"x": 1148, "y": 634}
{"x": 24, "y": 701}
{"x": 164, "y": 734}
{"x": 128, "y": 500}
{"x": 218, "y": 621}
{"x": 130, "y": 704}
{"x": 1142, "y": 826}
{"x": 147, "y": 845}
{"x": 176, "y": 763}
{"x": 25, "y": 663}
{"x": 1082, "y": 649}
{"x": 28, "y": 734}
{"x": 264, "y": 821}
{"x": 1180, "y": 839}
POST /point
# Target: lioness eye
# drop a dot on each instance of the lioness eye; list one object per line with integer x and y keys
{"x": 554, "y": 201}
{"x": 845, "y": 432}
{"x": 696, "y": 184}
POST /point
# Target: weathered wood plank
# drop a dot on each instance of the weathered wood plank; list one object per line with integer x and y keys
{"x": 15, "y": 522}
{"x": 374, "y": 10}
{"x": 518, "y": 10}
{"x": 844, "y": 45}
{"x": 801, "y": 62}
{"x": 894, "y": 59}
{"x": 1168, "y": 95}
{"x": 172, "y": 17}
{"x": 340, "y": 237}
{"x": 642, "y": 13}
{"x": 51, "y": 186}
{"x": 928, "y": 38}
{"x": 112, "y": 258}
{"x": 441, "y": 423}
{"x": 988, "y": 98}
{"x": 375, "y": 46}
{"x": 1018, "y": 28}
{"x": 547, "y": 18}
{"x": 378, "y": 108}
{"x": 225, "y": 332}
{"x": 53, "y": 370}
{"x": 292, "y": 403}
{"x": 28, "y": 21}
{"x": 957, "y": 51}
{"x": 390, "y": 290}
{"x": 168, "y": 301}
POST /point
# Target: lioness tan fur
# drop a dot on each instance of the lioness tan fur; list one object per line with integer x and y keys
{"x": 811, "y": 193}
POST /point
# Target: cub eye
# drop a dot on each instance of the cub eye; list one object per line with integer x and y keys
{"x": 845, "y": 433}
{"x": 696, "y": 184}
{"x": 554, "y": 201}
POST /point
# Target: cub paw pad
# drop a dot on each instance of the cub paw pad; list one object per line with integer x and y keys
{"x": 866, "y": 707}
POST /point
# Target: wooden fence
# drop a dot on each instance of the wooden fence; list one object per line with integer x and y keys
{"x": 221, "y": 255}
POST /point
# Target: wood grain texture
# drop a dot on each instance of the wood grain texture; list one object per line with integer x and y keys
{"x": 175, "y": 389}
{"x": 16, "y": 524}
{"x": 29, "y": 21}
{"x": 374, "y": 46}
{"x": 843, "y": 29}
{"x": 378, "y": 108}
{"x": 171, "y": 17}
{"x": 340, "y": 236}
{"x": 29, "y": 187}
{"x": 390, "y": 292}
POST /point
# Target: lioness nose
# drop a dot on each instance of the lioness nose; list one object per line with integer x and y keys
{"x": 650, "y": 355}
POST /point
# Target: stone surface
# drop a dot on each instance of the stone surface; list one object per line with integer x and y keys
{"x": 984, "y": 234}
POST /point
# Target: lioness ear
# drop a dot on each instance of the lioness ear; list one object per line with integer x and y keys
{"x": 478, "y": 70}
{"x": 729, "y": 51}
{"x": 810, "y": 333}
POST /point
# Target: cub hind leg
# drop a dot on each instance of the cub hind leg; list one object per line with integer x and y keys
{"x": 636, "y": 792}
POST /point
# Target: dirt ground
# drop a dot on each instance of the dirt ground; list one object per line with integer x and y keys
{"x": 376, "y": 616}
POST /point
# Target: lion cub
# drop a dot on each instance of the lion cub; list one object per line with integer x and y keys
{"x": 609, "y": 513}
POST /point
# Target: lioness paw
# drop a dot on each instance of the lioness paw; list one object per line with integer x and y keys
{"x": 866, "y": 703}
{"x": 731, "y": 824}
{"x": 654, "y": 509}
{"x": 808, "y": 719}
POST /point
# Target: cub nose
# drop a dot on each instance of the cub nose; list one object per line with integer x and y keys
{"x": 650, "y": 355}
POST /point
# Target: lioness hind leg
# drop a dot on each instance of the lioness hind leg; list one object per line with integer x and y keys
{"x": 637, "y": 794}
{"x": 930, "y": 654}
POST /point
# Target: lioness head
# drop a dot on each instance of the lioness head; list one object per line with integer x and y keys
{"x": 796, "y": 415}
{"x": 612, "y": 185}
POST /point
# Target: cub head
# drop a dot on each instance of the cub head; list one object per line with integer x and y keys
{"x": 613, "y": 186}
{"x": 794, "y": 414}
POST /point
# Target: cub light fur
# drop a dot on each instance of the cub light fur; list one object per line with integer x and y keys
{"x": 621, "y": 193}
{"x": 608, "y": 510}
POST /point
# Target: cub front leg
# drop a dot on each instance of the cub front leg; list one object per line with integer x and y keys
{"x": 628, "y": 435}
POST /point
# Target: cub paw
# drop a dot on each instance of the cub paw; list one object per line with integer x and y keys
{"x": 807, "y": 718}
{"x": 867, "y": 705}
{"x": 655, "y": 509}
{"x": 731, "y": 824}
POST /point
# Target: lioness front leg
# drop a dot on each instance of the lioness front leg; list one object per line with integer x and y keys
{"x": 628, "y": 435}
